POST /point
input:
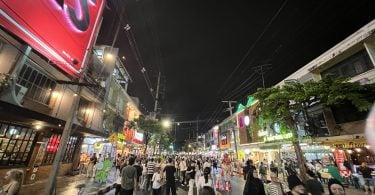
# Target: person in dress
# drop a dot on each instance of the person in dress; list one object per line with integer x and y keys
{"x": 14, "y": 178}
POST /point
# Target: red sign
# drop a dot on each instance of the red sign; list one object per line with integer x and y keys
{"x": 61, "y": 30}
{"x": 340, "y": 158}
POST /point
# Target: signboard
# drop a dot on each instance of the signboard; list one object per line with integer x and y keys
{"x": 278, "y": 137}
{"x": 340, "y": 158}
{"x": 138, "y": 137}
{"x": 113, "y": 138}
{"x": 61, "y": 30}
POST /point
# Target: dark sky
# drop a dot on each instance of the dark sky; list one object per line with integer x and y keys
{"x": 206, "y": 49}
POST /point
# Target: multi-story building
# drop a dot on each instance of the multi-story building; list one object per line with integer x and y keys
{"x": 327, "y": 130}
{"x": 40, "y": 68}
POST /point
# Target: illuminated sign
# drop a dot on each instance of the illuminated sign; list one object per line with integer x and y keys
{"x": 61, "y": 30}
{"x": 278, "y": 137}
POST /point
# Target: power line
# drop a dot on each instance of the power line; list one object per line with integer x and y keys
{"x": 253, "y": 45}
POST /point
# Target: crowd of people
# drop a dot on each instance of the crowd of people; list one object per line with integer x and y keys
{"x": 161, "y": 175}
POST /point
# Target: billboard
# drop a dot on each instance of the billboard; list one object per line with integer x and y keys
{"x": 61, "y": 30}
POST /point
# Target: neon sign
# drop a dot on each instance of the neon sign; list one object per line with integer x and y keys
{"x": 63, "y": 31}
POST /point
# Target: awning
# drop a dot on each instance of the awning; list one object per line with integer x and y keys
{"x": 23, "y": 116}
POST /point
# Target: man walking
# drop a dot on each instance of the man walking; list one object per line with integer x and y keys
{"x": 183, "y": 168}
{"x": 170, "y": 171}
{"x": 128, "y": 178}
{"x": 150, "y": 172}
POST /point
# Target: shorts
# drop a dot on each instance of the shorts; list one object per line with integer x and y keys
{"x": 369, "y": 181}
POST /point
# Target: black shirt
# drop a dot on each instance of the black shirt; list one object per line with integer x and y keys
{"x": 170, "y": 170}
{"x": 366, "y": 172}
{"x": 314, "y": 187}
{"x": 192, "y": 174}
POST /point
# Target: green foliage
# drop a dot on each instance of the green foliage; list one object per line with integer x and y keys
{"x": 283, "y": 104}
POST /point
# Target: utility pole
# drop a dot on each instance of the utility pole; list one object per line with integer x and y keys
{"x": 230, "y": 109}
{"x": 157, "y": 97}
{"x": 262, "y": 69}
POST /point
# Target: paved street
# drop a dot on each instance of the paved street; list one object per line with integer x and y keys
{"x": 67, "y": 186}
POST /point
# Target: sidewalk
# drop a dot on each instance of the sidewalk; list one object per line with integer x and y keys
{"x": 66, "y": 185}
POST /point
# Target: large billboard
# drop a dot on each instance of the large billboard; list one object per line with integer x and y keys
{"x": 61, "y": 30}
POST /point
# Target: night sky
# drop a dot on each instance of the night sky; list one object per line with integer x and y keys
{"x": 206, "y": 49}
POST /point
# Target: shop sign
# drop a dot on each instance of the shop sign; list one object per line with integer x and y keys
{"x": 61, "y": 30}
{"x": 278, "y": 137}
{"x": 349, "y": 145}
{"x": 138, "y": 137}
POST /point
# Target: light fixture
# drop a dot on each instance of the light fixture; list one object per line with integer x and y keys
{"x": 59, "y": 125}
{"x": 104, "y": 111}
{"x": 247, "y": 120}
{"x": 358, "y": 149}
{"x": 75, "y": 94}
{"x": 367, "y": 146}
{"x": 38, "y": 127}
{"x": 55, "y": 94}
{"x": 350, "y": 151}
{"x": 166, "y": 123}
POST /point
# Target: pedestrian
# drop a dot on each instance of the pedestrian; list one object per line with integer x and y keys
{"x": 150, "y": 172}
{"x": 313, "y": 186}
{"x": 144, "y": 175}
{"x": 295, "y": 185}
{"x": 14, "y": 177}
{"x": 253, "y": 185}
{"x": 275, "y": 187}
{"x": 191, "y": 172}
{"x": 274, "y": 168}
{"x": 366, "y": 173}
{"x": 263, "y": 172}
{"x": 335, "y": 187}
{"x": 207, "y": 190}
{"x": 204, "y": 180}
{"x": 128, "y": 178}
{"x": 214, "y": 165}
{"x": 183, "y": 168}
{"x": 170, "y": 171}
{"x": 156, "y": 182}
{"x": 118, "y": 162}
{"x": 139, "y": 169}
{"x": 90, "y": 166}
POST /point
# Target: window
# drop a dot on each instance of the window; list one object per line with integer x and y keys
{"x": 39, "y": 87}
{"x": 16, "y": 144}
{"x": 53, "y": 145}
{"x": 352, "y": 66}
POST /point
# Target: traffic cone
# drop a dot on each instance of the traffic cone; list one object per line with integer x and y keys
{"x": 218, "y": 184}
{"x": 227, "y": 187}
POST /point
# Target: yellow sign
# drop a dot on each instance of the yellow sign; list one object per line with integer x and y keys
{"x": 113, "y": 138}
{"x": 121, "y": 136}
{"x": 241, "y": 155}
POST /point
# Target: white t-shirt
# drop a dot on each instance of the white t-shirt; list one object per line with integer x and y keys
{"x": 183, "y": 165}
{"x": 201, "y": 182}
{"x": 156, "y": 181}
{"x": 206, "y": 164}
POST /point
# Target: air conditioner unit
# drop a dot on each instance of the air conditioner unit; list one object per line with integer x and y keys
{"x": 20, "y": 92}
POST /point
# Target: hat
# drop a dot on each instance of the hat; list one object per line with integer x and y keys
{"x": 333, "y": 181}
{"x": 293, "y": 181}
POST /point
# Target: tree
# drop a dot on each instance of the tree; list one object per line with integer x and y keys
{"x": 150, "y": 127}
{"x": 285, "y": 104}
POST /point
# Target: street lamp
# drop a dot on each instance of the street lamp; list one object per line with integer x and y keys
{"x": 166, "y": 123}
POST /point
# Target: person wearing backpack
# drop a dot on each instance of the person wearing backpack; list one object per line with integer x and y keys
{"x": 128, "y": 178}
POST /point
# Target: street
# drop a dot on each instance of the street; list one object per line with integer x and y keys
{"x": 67, "y": 186}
